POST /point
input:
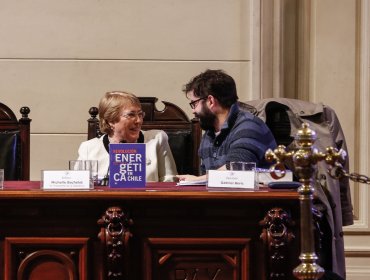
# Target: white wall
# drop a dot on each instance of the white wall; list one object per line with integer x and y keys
{"x": 60, "y": 57}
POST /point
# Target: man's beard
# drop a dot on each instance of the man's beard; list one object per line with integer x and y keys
{"x": 206, "y": 119}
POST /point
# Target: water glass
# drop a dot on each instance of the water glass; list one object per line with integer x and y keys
{"x": 1, "y": 179}
{"x": 76, "y": 165}
{"x": 242, "y": 166}
{"x": 92, "y": 165}
{"x": 245, "y": 166}
{"x": 249, "y": 166}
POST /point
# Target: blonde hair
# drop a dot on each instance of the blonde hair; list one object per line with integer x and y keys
{"x": 110, "y": 107}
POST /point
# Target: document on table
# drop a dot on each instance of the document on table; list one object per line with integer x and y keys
{"x": 192, "y": 183}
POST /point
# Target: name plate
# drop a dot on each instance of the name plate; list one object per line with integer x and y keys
{"x": 231, "y": 179}
{"x": 65, "y": 179}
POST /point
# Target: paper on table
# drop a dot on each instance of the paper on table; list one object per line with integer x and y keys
{"x": 192, "y": 183}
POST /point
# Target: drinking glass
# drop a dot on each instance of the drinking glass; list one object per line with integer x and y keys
{"x": 249, "y": 166}
{"x": 242, "y": 166}
{"x": 1, "y": 179}
{"x": 245, "y": 166}
{"x": 92, "y": 166}
{"x": 76, "y": 165}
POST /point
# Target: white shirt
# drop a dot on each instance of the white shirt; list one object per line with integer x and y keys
{"x": 160, "y": 165}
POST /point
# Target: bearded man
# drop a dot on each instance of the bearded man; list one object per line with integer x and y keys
{"x": 231, "y": 134}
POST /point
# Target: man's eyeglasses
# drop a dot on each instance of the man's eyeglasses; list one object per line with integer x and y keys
{"x": 134, "y": 115}
{"x": 195, "y": 102}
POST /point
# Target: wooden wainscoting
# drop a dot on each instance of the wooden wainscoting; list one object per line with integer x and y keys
{"x": 45, "y": 258}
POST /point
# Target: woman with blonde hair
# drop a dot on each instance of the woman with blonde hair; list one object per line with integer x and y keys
{"x": 121, "y": 118}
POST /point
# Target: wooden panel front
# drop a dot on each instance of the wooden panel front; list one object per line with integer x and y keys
{"x": 196, "y": 258}
{"x": 45, "y": 258}
{"x": 162, "y": 232}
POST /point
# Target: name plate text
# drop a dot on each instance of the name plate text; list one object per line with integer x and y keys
{"x": 231, "y": 179}
{"x": 65, "y": 179}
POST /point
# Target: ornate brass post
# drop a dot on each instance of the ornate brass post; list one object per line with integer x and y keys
{"x": 305, "y": 159}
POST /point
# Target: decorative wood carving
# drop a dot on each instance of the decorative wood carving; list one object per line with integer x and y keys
{"x": 197, "y": 258}
{"x": 41, "y": 262}
{"x": 217, "y": 229}
{"x": 45, "y": 258}
{"x": 114, "y": 235}
{"x": 276, "y": 236}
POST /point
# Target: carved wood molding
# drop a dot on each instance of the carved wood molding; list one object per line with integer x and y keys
{"x": 197, "y": 258}
{"x": 114, "y": 235}
{"x": 277, "y": 235}
{"x": 63, "y": 257}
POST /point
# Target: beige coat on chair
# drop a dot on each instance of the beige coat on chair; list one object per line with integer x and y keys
{"x": 333, "y": 194}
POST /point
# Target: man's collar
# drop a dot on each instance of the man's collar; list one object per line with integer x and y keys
{"x": 230, "y": 120}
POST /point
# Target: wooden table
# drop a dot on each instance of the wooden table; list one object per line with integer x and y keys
{"x": 162, "y": 232}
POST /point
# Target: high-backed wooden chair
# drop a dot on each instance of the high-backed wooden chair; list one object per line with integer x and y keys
{"x": 15, "y": 143}
{"x": 183, "y": 134}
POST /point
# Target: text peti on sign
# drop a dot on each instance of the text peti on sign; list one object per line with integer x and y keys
{"x": 127, "y": 165}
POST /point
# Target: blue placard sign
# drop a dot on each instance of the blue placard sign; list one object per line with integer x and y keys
{"x": 127, "y": 165}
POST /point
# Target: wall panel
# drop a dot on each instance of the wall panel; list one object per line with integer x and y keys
{"x": 124, "y": 29}
{"x": 59, "y": 58}
{"x": 60, "y": 93}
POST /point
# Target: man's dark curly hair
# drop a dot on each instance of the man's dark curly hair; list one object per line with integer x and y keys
{"x": 216, "y": 83}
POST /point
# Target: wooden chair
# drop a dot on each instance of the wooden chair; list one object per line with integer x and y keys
{"x": 183, "y": 134}
{"x": 15, "y": 143}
